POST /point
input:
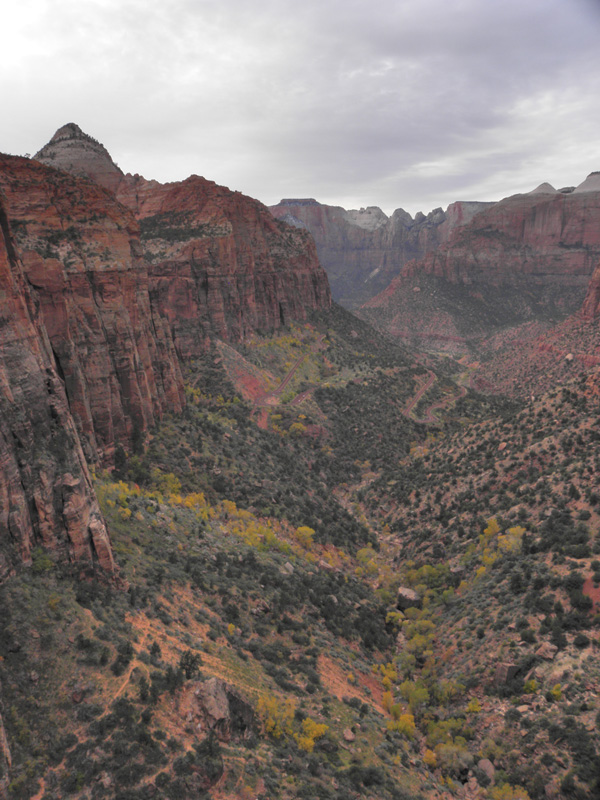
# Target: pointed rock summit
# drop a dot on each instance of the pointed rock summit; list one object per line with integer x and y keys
{"x": 543, "y": 188}
{"x": 590, "y": 184}
{"x": 72, "y": 150}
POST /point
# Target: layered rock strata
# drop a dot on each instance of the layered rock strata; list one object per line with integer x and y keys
{"x": 73, "y": 151}
{"x": 362, "y": 251}
{"x": 46, "y": 495}
{"x": 526, "y": 258}
{"x": 220, "y": 264}
{"x": 112, "y": 349}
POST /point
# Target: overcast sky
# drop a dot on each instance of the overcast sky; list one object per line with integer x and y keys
{"x": 353, "y": 102}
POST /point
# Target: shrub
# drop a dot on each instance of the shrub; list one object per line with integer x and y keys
{"x": 189, "y": 663}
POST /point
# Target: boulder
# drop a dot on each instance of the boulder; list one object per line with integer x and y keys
{"x": 504, "y": 673}
{"x": 225, "y": 712}
{"x": 407, "y": 598}
{"x": 547, "y": 651}
{"x": 486, "y": 766}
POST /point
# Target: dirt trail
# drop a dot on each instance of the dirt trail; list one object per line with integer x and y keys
{"x": 429, "y": 417}
{"x": 419, "y": 393}
{"x": 263, "y": 401}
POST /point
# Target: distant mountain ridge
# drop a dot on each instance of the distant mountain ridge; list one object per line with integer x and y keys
{"x": 528, "y": 257}
{"x": 363, "y": 250}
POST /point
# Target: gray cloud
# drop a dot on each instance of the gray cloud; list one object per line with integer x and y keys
{"x": 356, "y": 103}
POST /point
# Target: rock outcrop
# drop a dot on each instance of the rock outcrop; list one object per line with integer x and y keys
{"x": 112, "y": 349}
{"x": 72, "y": 150}
{"x": 590, "y": 184}
{"x": 526, "y": 258}
{"x": 46, "y": 495}
{"x": 591, "y": 305}
{"x": 362, "y": 251}
{"x": 220, "y": 263}
{"x": 5, "y": 758}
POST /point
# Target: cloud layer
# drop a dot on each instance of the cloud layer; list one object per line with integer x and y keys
{"x": 356, "y": 103}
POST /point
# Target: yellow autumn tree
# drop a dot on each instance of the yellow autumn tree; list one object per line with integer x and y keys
{"x": 304, "y": 536}
{"x": 310, "y": 732}
{"x": 277, "y": 715}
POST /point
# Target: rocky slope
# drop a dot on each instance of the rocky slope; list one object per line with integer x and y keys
{"x": 532, "y": 359}
{"x": 528, "y": 257}
{"x": 362, "y": 251}
{"x": 46, "y": 495}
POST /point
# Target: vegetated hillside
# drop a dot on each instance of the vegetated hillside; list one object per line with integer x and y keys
{"x": 335, "y": 582}
{"x": 530, "y": 360}
{"x": 526, "y": 361}
{"x": 527, "y": 258}
{"x": 236, "y": 655}
{"x": 496, "y": 531}
{"x": 341, "y": 572}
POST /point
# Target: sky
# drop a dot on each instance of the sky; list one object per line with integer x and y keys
{"x": 356, "y": 103}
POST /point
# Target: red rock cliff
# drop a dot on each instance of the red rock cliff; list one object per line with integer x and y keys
{"x": 221, "y": 264}
{"x": 591, "y": 305}
{"x": 81, "y": 253}
{"x": 95, "y": 321}
{"x": 544, "y": 236}
{"x": 527, "y": 257}
{"x": 46, "y": 495}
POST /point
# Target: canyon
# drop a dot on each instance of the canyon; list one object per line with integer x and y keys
{"x": 100, "y": 320}
{"x": 363, "y": 250}
{"x": 528, "y": 258}
{"x": 250, "y": 545}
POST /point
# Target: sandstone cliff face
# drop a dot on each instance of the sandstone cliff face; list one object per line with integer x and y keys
{"x": 527, "y": 257}
{"x": 82, "y": 255}
{"x": 5, "y": 756}
{"x": 72, "y": 150}
{"x": 220, "y": 264}
{"x": 544, "y": 236}
{"x": 46, "y": 496}
{"x": 362, "y": 251}
{"x": 591, "y": 305}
